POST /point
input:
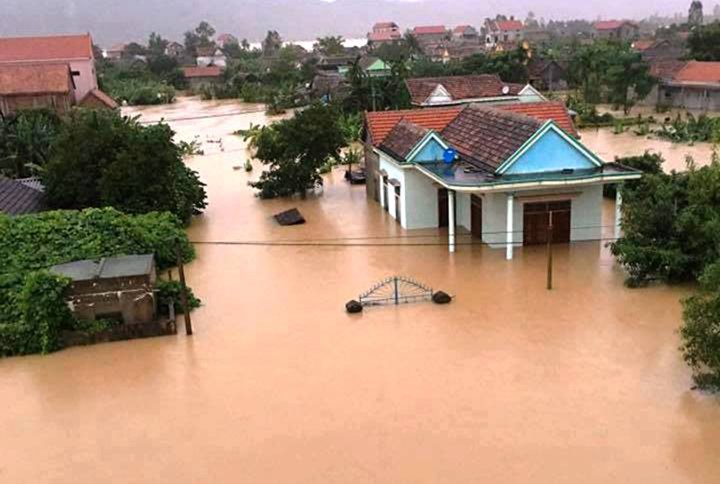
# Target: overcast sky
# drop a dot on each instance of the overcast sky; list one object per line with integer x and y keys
{"x": 120, "y": 20}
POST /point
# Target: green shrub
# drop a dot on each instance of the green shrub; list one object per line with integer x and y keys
{"x": 169, "y": 291}
{"x": 137, "y": 92}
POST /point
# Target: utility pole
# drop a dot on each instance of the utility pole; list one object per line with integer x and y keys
{"x": 549, "y": 252}
{"x": 183, "y": 290}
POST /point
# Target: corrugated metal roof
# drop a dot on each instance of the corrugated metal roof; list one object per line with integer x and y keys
{"x": 16, "y": 198}
{"x": 107, "y": 268}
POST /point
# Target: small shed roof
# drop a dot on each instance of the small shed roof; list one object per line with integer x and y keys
{"x": 107, "y": 267}
{"x": 99, "y": 96}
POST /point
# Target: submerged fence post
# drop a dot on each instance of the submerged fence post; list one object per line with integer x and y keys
{"x": 397, "y": 295}
{"x": 550, "y": 254}
{"x": 183, "y": 290}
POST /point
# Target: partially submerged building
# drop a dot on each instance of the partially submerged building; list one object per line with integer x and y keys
{"x": 693, "y": 85}
{"x": 33, "y": 86}
{"x": 503, "y": 173}
{"x": 119, "y": 288}
{"x": 197, "y": 77}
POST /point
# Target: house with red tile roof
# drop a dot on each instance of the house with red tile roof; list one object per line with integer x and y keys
{"x": 502, "y": 32}
{"x": 693, "y": 85}
{"x": 74, "y": 50}
{"x": 430, "y": 33}
{"x": 624, "y": 30}
{"x": 479, "y": 88}
{"x": 384, "y": 33}
{"x": 501, "y": 174}
{"x": 465, "y": 32}
{"x": 198, "y": 76}
{"x": 30, "y": 86}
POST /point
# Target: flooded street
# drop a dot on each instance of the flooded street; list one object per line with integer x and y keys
{"x": 510, "y": 383}
{"x": 609, "y": 145}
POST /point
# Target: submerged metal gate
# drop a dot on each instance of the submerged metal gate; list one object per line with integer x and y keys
{"x": 396, "y": 290}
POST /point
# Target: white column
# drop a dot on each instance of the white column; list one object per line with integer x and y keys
{"x": 509, "y": 234}
{"x": 382, "y": 191}
{"x": 618, "y": 211}
{"x": 451, "y": 221}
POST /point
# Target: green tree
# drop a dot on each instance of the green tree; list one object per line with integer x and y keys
{"x": 700, "y": 331}
{"x": 628, "y": 78}
{"x": 295, "y": 149}
{"x": 272, "y": 43}
{"x": 330, "y": 45}
{"x": 157, "y": 44}
{"x": 200, "y": 37}
{"x": 25, "y": 142}
{"x": 704, "y": 42}
{"x": 102, "y": 159}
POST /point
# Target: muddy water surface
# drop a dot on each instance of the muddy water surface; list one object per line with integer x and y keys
{"x": 510, "y": 383}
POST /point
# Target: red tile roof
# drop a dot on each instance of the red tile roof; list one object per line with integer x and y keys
{"x": 461, "y": 87}
{"x": 666, "y": 69}
{"x": 429, "y": 29}
{"x": 509, "y": 25}
{"x": 384, "y": 26}
{"x": 461, "y": 28}
{"x": 95, "y": 96}
{"x": 210, "y": 71}
{"x": 384, "y": 36}
{"x": 610, "y": 24}
{"x": 380, "y": 123}
{"x": 59, "y": 47}
{"x": 26, "y": 79}
{"x": 641, "y": 45}
{"x": 543, "y": 111}
{"x": 700, "y": 72}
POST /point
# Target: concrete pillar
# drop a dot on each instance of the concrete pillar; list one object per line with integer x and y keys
{"x": 382, "y": 191}
{"x": 618, "y": 212}
{"x": 451, "y": 221}
{"x": 509, "y": 234}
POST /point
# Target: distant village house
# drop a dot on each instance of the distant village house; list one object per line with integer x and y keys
{"x": 615, "y": 30}
{"x": 480, "y": 88}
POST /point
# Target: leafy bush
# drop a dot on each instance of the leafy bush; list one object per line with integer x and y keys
{"x": 169, "y": 291}
{"x": 32, "y": 310}
{"x": 140, "y": 92}
{"x": 671, "y": 225}
{"x": 648, "y": 163}
{"x": 103, "y": 159}
{"x": 691, "y": 129}
{"x": 700, "y": 332}
{"x": 25, "y": 141}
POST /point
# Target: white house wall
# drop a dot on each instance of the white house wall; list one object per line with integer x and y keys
{"x": 462, "y": 210}
{"x": 394, "y": 171}
{"x": 585, "y": 220}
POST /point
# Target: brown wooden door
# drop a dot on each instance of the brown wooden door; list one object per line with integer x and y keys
{"x": 476, "y": 216}
{"x": 443, "y": 208}
{"x": 536, "y": 220}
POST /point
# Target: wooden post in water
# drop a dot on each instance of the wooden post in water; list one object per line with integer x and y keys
{"x": 549, "y": 253}
{"x": 183, "y": 290}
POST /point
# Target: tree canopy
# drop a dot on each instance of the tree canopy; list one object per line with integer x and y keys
{"x": 704, "y": 42}
{"x": 103, "y": 159}
{"x": 295, "y": 149}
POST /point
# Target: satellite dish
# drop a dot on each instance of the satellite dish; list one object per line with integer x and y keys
{"x": 506, "y": 90}
{"x": 449, "y": 155}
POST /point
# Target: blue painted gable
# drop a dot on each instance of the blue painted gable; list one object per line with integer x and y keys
{"x": 431, "y": 152}
{"x": 550, "y": 153}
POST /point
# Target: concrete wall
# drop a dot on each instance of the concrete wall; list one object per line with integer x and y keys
{"x": 372, "y": 161}
{"x": 463, "y": 211}
{"x": 87, "y": 80}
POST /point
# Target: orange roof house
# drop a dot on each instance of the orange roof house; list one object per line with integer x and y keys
{"x": 27, "y": 86}
{"x": 73, "y": 50}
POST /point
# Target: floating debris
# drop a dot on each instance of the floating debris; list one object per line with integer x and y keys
{"x": 290, "y": 217}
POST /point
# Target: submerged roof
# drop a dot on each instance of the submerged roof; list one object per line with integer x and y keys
{"x": 26, "y": 79}
{"x": 19, "y": 198}
{"x": 50, "y": 48}
{"x": 107, "y": 267}
{"x": 461, "y": 87}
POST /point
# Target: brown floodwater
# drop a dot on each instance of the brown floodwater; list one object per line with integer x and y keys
{"x": 510, "y": 383}
{"x": 609, "y": 145}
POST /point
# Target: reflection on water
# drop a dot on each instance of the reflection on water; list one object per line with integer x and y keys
{"x": 510, "y": 383}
